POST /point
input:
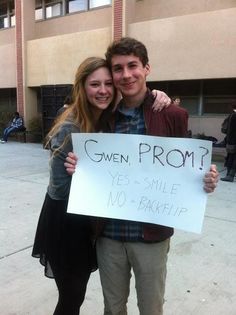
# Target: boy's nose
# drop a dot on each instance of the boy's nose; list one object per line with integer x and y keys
{"x": 126, "y": 73}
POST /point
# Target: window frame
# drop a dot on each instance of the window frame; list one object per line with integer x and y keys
{"x": 9, "y": 16}
{"x": 75, "y": 11}
{"x": 51, "y": 4}
{"x": 99, "y": 6}
{"x": 205, "y": 93}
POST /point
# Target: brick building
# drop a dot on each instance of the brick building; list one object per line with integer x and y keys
{"x": 191, "y": 46}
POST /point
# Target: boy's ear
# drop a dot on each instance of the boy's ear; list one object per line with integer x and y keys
{"x": 147, "y": 68}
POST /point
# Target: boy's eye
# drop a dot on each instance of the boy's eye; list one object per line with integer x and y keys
{"x": 117, "y": 69}
{"x": 132, "y": 65}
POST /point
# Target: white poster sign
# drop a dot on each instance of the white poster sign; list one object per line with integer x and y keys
{"x": 141, "y": 178}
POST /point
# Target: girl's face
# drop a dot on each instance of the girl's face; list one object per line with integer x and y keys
{"x": 99, "y": 88}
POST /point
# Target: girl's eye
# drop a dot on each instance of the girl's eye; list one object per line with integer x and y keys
{"x": 94, "y": 84}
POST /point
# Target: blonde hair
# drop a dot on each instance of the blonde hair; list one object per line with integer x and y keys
{"x": 80, "y": 112}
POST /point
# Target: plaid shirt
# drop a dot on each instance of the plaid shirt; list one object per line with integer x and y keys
{"x": 129, "y": 121}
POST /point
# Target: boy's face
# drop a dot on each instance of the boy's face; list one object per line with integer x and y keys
{"x": 129, "y": 75}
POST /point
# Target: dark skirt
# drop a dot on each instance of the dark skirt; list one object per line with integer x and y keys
{"x": 63, "y": 240}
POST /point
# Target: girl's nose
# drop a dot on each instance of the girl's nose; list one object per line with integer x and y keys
{"x": 103, "y": 89}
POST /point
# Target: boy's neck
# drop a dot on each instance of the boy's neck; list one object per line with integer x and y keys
{"x": 134, "y": 101}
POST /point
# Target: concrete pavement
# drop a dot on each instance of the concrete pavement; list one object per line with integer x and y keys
{"x": 201, "y": 268}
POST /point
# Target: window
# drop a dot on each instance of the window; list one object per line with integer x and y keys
{"x": 218, "y": 95}
{"x": 12, "y": 13}
{"x": 98, "y": 3}
{"x": 217, "y": 105}
{"x": 76, "y": 5}
{"x": 38, "y": 10}
{"x": 3, "y": 15}
{"x": 8, "y": 100}
{"x": 201, "y": 97}
{"x": 38, "y": 14}
{"x": 190, "y": 104}
{"x": 53, "y": 8}
{"x": 7, "y": 13}
{"x": 45, "y": 9}
{"x": 13, "y": 20}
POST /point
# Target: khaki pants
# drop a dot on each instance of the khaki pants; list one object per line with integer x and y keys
{"x": 148, "y": 260}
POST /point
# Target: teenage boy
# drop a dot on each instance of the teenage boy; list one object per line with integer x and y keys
{"x": 125, "y": 245}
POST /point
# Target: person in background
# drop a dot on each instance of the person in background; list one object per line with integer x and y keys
{"x": 67, "y": 102}
{"x": 230, "y": 140}
{"x": 224, "y": 127}
{"x": 176, "y": 100}
{"x": 17, "y": 124}
{"x": 124, "y": 245}
{"x": 63, "y": 241}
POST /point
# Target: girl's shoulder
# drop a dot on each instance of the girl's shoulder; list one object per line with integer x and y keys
{"x": 69, "y": 126}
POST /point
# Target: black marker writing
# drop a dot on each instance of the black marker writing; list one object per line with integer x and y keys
{"x": 206, "y": 151}
{"x": 175, "y": 157}
{"x": 98, "y": 157}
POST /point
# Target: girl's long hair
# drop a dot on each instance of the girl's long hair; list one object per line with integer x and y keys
{"x": 80, "y": 111}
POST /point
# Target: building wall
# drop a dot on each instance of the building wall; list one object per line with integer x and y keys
{"x": 190, "y": 44}
{"x": 7, "y": 58}
{"x": 73, "y": 23}
{"x": 195, "y": 46}
{"x": 54, "y": 60}
{"x": 186, "y": 39}
{"x": 175, "y": 54}
{"x": 144, "y": 10}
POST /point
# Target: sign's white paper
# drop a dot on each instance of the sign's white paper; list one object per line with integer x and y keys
{"x": 141, "y": 178}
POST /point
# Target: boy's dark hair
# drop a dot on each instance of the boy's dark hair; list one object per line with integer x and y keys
{"x": 127, "y": 46}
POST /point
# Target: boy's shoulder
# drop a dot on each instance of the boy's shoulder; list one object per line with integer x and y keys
{"x": 176, "y": 110}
